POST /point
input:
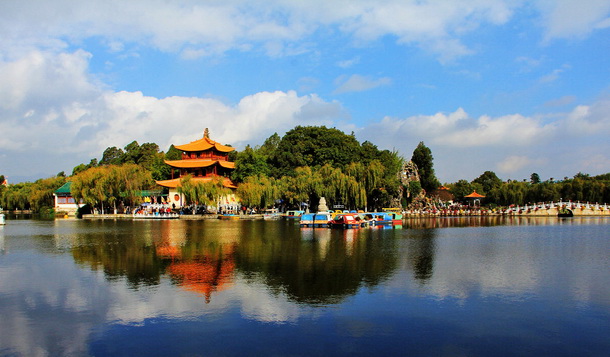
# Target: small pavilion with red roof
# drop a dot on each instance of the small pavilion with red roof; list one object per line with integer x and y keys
{"x": 474, "y": 196}
{"x": 204, "y": 159}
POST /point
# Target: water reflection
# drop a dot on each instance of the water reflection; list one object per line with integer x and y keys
{"x": 117, "y": 287}
{"x": 312, "y": 266}
{"x": 490, "y": 221}
{"x": 2, "y": 240}
{"x": 421, "y": 250}
{"x": 316, "y": 266}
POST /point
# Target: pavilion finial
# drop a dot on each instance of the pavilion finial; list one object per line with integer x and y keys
{"x": 206, "y": 133}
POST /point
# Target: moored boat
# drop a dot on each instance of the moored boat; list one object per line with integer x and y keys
{"x": 292, "y": 214}
{"x": 347, "y": 220}
{"x": 306, "y": 220}
{"x": 228, "y": 216}
{"x": 271, "y": 214}
{"x": 396, "y": 217}
{"x": 380, "y": 219}
{"x": 317, "y": 220}
{"x": 322, "y": 219}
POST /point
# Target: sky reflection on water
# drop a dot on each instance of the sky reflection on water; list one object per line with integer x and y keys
{"x": 233, "y": 288}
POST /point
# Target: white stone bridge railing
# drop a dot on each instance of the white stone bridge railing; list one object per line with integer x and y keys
{"x": 562, "y": 204}
{"x": 577, "y": 208}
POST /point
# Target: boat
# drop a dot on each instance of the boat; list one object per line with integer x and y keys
{"x": 306, "y": 220}
{"x": 293, "y": 214}
{"x": 316, "y": 220}
{"x": 396, "y": 217}
{"x": 379, "y": 218}
{"x": 228, "y": 216}
{"x": 271, "y": 214}
{"x": 320, "y": 219}
{"x": 2, "y": 220}
{"x": 347, "y": 220}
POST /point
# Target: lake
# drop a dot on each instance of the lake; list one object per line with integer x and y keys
{"x": 476, "y": 286}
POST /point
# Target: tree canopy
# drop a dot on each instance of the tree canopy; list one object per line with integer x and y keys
{"x": 422, "y": 157}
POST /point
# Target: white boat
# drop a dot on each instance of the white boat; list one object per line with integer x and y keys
{"x": 270, "y": 214}
{"x": 2, "y": 221}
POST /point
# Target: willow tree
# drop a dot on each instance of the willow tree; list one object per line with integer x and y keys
{"x": 109, "y": 184}
{"x": 207, "y": 193}
{"x": 305, "y": 186}
{"x": 340, "y": 187}
{"x": 41, "y": 192}
{"x": 259, "y": 191}
{"x": 88, "y": 187}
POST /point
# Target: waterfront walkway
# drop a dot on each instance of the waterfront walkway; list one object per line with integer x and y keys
{"x": 542, "y": 209}
{"x": 175, "y": 216}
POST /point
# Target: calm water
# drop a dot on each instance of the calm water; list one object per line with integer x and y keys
{"x": 435, "y": 287}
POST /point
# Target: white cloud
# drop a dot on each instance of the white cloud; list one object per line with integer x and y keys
{"x": 51, "y": 107}
{"x": 513, "y": 164}
{"x": 199, "y": 28}
{"x": 572, "y": 18}
{"x": 516, "y": 145}
{"x": 196, "y": 29}
{"x": 458, "y": 129}
{"x": 358, "y": 83}
{"x": 349, "y": 63}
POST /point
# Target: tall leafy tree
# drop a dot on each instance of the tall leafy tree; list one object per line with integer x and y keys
{"x": 489, "y": 181}
{"x": 270, "y": 146}
{"x": 315, "y": 146}
{"x": 112, "y": 156}
{"x": 173, "y": 153}
{"x": 250, "y": 162}
{"x": 422, "y": 157}
{"x": 535, "y": 178}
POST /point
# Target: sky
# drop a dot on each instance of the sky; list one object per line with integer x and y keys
{"x": 509, "y": 86}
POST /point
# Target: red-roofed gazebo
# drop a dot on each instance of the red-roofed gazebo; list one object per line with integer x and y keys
{"x": 474, "y": 196}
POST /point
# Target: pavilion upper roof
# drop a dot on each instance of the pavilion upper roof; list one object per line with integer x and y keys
{"x": 204, "y": 144}
{"x": 196, "y": 163}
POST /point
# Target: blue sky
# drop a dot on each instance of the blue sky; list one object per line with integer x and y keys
{"x": 514, "y": 87}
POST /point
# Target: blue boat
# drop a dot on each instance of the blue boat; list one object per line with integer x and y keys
{"x": 379, "y": 218}
{"x": 316, "y": 220}
{"x": 293, "y": 214}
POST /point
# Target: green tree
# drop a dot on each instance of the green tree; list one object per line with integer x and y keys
{"x": 173, "y": 153}
{"x": 270, "y": 146}
{"x": 112, "y": 156}
{"x": 259, "y": 191}
{"x": 422, "y": 157}
{"x": 488, "y": 181}
{"x": 315, "y": 146}
{"x": 30, "y": 195}
{"x": 461, "y": 188}
{"x": 250, "y": 162}
{"x": 535, "y": 178}
{"x": 207, "y": 193}
{"x": 106, "y": 185}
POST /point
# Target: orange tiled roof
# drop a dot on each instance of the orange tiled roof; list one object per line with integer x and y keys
{"x": 474, "y": 194}
{"x": 176, "y": 182}
{"x": 204, "y": 144}
{"x": 194, "y": 163}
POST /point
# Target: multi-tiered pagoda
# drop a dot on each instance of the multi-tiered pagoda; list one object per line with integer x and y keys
{"x": 203, "y": 159}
